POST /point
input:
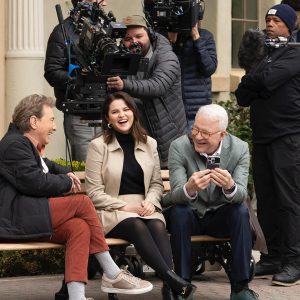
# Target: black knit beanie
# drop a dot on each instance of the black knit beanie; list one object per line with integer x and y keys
{"x": 285, "y": 13}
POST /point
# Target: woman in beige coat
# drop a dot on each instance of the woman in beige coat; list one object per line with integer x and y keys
{"x": 123, "y": 180}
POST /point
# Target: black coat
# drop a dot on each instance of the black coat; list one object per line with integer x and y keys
{"x": 56, "y": 63}
{"x": 272, "y": 90}
{"x": 25, "y": 188}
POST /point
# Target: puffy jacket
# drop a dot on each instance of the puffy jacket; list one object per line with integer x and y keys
{"x": 198, "y": 61}
{"x": 160, "y": 92}
{"x": 25, "y": 188}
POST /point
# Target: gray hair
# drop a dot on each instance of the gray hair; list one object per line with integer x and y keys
{"x": 30, "y": 106}
{"x": 214, "y": 112}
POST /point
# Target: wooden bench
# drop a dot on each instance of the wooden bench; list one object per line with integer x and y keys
{"x": 206, "y": 248}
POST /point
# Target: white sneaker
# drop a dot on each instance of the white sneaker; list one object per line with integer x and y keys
{"x": 125, "y": 283}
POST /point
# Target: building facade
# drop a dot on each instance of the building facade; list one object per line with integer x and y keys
{"x": 25, "y": 26}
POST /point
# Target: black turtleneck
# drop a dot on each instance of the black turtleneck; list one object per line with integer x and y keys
{"x": 132, "y": 179}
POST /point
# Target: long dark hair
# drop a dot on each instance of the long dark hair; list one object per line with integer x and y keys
{"x": 138, "y": 132}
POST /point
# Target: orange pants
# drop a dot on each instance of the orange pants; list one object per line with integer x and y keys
{"x": 76, "y": 224}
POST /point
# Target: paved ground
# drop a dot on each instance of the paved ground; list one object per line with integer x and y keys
{"x": 211, "y": 286}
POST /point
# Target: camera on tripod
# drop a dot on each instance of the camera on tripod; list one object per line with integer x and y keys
{"x": 174, "y": 15}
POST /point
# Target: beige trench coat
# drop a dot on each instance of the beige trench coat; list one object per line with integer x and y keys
{"x": 103, "y": 170}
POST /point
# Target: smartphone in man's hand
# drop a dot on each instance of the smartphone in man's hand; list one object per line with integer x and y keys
{"x": 213, "y": 162}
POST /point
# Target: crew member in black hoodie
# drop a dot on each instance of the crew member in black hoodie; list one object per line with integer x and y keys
{"x": 272, "y": 90}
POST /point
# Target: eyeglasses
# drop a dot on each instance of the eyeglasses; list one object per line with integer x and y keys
{"x": 205, "y": 134}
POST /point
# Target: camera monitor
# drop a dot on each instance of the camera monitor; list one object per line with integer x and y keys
{"x": 121, "y": 64}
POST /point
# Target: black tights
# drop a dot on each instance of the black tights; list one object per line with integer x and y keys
{"x": 151, "y": 240}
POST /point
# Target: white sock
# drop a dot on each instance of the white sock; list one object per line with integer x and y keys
{"x": 76, "y": 290}
{"x": 107, "y": 264}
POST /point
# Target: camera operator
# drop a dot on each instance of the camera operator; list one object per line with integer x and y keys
{"x": 198, "y": 60}
{"x": 78, "y": 132}
{"x": 158, "y": 87}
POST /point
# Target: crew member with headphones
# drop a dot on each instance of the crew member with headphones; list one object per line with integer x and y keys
{"x": 198, "y": 60}
{"x": 158, "y": 87}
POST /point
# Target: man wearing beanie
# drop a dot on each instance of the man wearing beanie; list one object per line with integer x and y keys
{"x": 295, "y": 4}
{"x": 272, "y": 90}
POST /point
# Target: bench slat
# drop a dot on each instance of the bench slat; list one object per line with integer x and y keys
{"x": 164, "y": 174}
{"x": 46, "y": 245}
{"x": 29, "y": 246}
{"x": 80, "y": 175}
{"x": 207, "y": 238}
{"x": 114, "y": 241}
{"x": 167, "y": 186}
{"x": 109, "y": 241}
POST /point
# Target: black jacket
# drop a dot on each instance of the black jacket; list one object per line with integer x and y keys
{"x": 57, "y": 63}
{"x": 272, "y": 90}
{"x": 25, "y": 188}
{"x": 160, "y": 91}
{"x": 198, "y": 60}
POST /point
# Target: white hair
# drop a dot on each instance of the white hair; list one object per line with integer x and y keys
{"x": 214, "y": 112}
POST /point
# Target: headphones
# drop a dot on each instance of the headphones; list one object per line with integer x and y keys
{"x": 151, "y": 32}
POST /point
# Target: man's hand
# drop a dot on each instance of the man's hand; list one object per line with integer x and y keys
{"x": 115, "y": 83}
{"x": 198, "y": 181}
{"x": 222, "y": 178}
{"x": 195, "y": 33}
{"x": 76, "y": 184}
{"x": 148, "y": 208}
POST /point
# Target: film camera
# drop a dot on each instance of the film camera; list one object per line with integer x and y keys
{"x": 174, "y": 15}
{"x": 98, "y": 56}
{"x": 98, "y": 35}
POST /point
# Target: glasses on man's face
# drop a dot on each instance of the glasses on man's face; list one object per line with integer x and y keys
{"x": 205, "y": 134}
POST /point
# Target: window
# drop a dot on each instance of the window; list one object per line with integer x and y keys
{"x": 244, "y": 16}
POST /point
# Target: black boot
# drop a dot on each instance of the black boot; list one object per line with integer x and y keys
{"x": 179, "y": 286}
{"x": 289, "y": 276}
{"x": 167, "y": 293}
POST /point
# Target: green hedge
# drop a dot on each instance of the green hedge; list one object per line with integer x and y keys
{"x": 239, "y": 125}
{"x": 77, "y": 165}
{"x": 35, "y": 262}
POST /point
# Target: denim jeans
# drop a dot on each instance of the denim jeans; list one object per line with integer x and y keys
{"x": 79, "y": 134}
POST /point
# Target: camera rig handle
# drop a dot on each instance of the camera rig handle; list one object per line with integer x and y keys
{"x": 61, "y": 22}
{"x": 66, "y": 41}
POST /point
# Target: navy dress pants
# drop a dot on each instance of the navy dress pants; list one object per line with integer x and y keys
{"x": 230, "y": 220}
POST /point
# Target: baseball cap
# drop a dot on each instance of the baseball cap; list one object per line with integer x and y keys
{"x": 135, "y": 20}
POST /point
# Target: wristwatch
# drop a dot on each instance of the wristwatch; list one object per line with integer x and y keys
{"x": 230, "y": 190}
